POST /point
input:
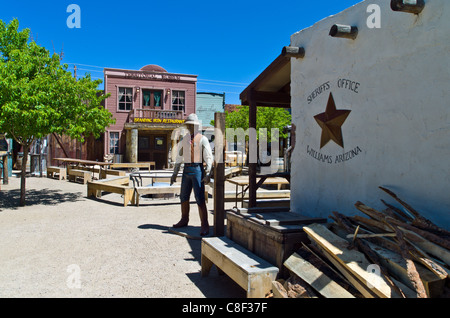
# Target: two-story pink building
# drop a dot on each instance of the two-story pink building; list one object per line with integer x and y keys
{"x": 148, "y": 105}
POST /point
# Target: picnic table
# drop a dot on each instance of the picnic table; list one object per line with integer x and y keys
{"x": 86, "y": 163}
{"x": 243, "y": 182}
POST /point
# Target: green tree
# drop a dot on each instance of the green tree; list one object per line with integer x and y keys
{"x": 38, "y": 96}
{"x": 267, "y": 117}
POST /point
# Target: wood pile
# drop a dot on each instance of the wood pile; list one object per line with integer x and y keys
{"x": 394, "y": 253}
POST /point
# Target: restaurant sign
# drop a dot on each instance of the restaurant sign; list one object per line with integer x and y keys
{"x": 159, "y": 120}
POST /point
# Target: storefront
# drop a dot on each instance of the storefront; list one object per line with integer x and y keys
{"x": 148, "y": 105}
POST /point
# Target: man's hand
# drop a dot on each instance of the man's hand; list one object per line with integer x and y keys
{"x": 173, "y": 179}
{"x": 206, "y": 179}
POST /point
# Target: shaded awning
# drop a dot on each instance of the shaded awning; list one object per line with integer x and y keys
{"x": 272, "y": 87}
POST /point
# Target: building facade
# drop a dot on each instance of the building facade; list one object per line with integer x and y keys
{"x": 384, "y": 96}
{"x": 148, "y": 105}
{"x": 208, "y": 104}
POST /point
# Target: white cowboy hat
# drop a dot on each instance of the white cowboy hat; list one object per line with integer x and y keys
{"x": 192, "y": 120}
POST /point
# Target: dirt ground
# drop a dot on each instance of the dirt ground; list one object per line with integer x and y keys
{"x": 62, "y": 244}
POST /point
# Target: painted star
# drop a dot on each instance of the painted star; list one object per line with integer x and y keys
{"x": 331, "y": 122}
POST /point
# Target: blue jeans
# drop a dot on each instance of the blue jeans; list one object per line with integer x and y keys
{"x": 192, "y": 179}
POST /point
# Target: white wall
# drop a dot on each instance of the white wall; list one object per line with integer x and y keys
{"x": 399, "y": 122}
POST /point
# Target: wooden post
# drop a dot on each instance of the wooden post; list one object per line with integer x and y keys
{"x": 252, "y": 166}
{"x": 409, "y": 6}
{"x": 293, "y": 51}
{"x": 5, "y": 170}
{"x": 344, "y": 31}
{"x": 219, "y": 175}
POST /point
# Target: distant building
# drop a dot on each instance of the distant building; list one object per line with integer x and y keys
{"x": 148, "y": 105}
{"x": 207, "y": 105}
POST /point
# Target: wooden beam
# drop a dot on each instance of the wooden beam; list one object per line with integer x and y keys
{"x": 409, "y": 6}
{"x": 293, "y": 51}
{"x": 253, "y": 154}
{"x": 219, "y": 175}
{"x": 275, "y": 98}
{"x": 314, "y": 277}
{"x": 344, "y": 31}
{"x": 274, "y": 67}
{"x": 352, "y": 260}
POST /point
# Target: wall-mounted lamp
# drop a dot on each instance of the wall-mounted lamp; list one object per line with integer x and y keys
{"x": 344, "y": 31}
{"x": 409, "y": 6}
{"x": 293, "y": 51}
{"x": 168, "y": 91}
{"x": 137, "y": 89}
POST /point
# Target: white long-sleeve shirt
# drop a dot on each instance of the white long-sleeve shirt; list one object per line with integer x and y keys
{"x": 202, "y": 152}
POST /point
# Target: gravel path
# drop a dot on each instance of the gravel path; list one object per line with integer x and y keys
{"x": 62, "y": 244}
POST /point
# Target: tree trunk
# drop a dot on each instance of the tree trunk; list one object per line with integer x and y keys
{"x": 26, "y": 150}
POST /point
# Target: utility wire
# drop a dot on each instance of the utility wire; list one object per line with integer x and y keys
{"x": 235, "y": 84}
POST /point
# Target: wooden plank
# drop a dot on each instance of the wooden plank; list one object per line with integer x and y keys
{"x": 314, "y": 277}
{"x": 397, "y": 265}
{"x": 120, "y": 180}
{"x": 158, "y": 190}
{"x": 354, "y": 261}
{"x": 429, "y": 247}
{"x": 133, "y": 165}
{"x": 287, "y": 218}
{"x": 352, "y": 279}
{"x": 278, "y": 290}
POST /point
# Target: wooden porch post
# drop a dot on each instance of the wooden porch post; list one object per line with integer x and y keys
{"x": 252, "y": 166}
{"x": 219, "y": 175}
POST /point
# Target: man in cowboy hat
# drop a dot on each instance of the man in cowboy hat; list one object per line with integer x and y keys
{"x": 193, "y": 150}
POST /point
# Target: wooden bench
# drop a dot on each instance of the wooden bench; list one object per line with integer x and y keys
{"x": 102, "y": 172}
{"x": 119, "y": 185}
{"x": 74, "y": 174}
{"x": 112, "y": 172}
{"x": 52, "y": 170}
{"x": 249, "y": 271}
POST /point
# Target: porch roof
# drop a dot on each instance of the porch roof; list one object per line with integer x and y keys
{"x": 272, "y": 87}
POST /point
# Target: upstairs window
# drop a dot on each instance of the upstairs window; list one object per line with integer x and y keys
{"x": 151, "y": 98}
{"x": 125, "y": 98}
{"x": 178, "y": 100}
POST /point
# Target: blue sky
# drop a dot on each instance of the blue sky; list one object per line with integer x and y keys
{"x": 227, "y": 44}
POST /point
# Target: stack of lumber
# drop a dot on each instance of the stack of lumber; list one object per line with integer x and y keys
{"x": 394, "y": 253}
